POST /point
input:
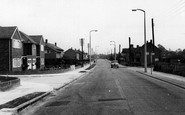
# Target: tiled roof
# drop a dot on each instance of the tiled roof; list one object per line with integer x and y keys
{"x": 36, "y": 38}
{"x": 26, "y": 38}
{"x": 55, "y": 48}
{"x": 7, "y": 32}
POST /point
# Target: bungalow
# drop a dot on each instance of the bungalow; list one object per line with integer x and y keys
{"x": 11, "y": 49}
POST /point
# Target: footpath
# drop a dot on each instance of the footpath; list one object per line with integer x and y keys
{"x": 170, "y": 78}
{"x": 39, "y": 83}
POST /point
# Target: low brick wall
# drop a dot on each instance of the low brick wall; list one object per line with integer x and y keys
{"x": 9, "y": 83}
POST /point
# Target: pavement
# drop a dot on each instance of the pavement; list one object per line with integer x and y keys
{"x": 39, "y": 83}
{"x": 171, "y": 78}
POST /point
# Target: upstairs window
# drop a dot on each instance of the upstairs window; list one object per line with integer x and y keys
{"x": 16, "y": 43}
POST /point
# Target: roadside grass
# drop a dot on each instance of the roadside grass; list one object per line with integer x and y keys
{"x": 90, "y": 67}
{"x": 18, "y": 101}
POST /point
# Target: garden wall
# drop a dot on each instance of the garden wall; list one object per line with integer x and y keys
{"x": 8, "y": 83}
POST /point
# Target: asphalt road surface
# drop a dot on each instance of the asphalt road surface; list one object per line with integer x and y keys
{"x": 112, "y": 91}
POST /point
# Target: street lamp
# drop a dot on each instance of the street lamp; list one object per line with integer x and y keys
{"x": 114, "y": 49}
{"x": 145, "y": 55}
{"x": 90, "y": 44}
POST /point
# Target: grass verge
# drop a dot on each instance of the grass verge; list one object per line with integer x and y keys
{"x": 18, "y": 101}
{"x": 90, "y": 67}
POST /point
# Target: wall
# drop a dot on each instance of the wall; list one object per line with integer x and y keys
{"x": 17, "y": 52}
{"x": 4, "y": 55}
{"x": 10, "y": 83}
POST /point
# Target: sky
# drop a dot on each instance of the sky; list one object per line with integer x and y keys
{"x": 67, "y": 21}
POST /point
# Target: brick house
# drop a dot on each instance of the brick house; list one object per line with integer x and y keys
{"x": 72, "y": 54}
{"x": 11, "y": 49}
{"x": 53, "y": 54}
{"x": 40, "y": 53}
{"x": 71, "y": 57}
{"x": 135, "y": 56}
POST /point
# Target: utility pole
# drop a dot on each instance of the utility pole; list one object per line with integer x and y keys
{"x": 152, "y": 46}
{"x": 153, "y": 38}
{"x": 129, "y": 51}
{"x": 82, "y": 43}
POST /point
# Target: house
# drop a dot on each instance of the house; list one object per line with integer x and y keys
{"x": 11, "y": 49}
{"x": 71, "y": 57}
{"x": 29, "y": 53}
{"x": 53, "y": 54}
{"x": 40, "y": 53}
{"x": 135, "y": 56}
{"x": 72, "y": 54}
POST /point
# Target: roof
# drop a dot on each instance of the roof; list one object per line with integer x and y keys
{"x": 55, "y": 48}
{"x": 26, "y": 38}
{"x": 7, "y": 32}
{"x": 36, "y": 38}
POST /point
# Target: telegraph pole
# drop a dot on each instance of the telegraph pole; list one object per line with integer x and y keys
{"x": 129, "y": 51}
{"x": 152, "y": 46}
{"x": 153, "y": 35}
{"x": 82, "y": 43}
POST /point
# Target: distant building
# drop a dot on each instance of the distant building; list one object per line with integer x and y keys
{"x": 135, "y": 56}
{"x": 11, "y": 49}
{"x": 72, "y": 54}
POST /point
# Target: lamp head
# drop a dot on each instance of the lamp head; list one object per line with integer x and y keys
{"x": 134, "y": 9}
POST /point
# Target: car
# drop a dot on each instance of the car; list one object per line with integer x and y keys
{"x": 114, "y": 64}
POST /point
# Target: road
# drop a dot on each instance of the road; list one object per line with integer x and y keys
{"x": 110, "y": 91}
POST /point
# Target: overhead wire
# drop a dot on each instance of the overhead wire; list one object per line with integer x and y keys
{"x": 172, "y": 11}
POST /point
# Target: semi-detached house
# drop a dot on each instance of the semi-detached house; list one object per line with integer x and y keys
{"x": 19, "y": 52}
{"x": 40, "y": 53}
{"x": 53, "y": 54}
{"x": 11, "y": 49}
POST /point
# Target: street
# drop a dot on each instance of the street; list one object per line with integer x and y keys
{"x": 112, "y": 91}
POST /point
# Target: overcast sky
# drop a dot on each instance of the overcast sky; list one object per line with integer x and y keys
{"x": 66, "y": 21}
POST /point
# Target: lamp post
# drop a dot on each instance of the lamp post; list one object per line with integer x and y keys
{"x": 90, "y": 44}
{"x": 145, "y": 49}
{"x": 114, "y": 49}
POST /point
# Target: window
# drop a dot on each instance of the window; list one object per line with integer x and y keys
{"x": 16, "y": 43}
{"x": 34, "y": 50}
{"x": 41, "y": 48}
{"x": 47, "y": 51}
{"x": 16, "y": 62}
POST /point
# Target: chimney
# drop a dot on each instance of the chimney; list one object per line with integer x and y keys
{"x": 46, "y": 41}
{"x": 137, "y": 46}
{"x": 55, "y": 44}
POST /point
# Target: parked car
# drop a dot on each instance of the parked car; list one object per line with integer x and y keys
{"x": 114, "y": 64}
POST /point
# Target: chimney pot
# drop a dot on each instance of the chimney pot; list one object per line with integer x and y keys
{"x": 46, "y": 41}
{"x": 55, "y": 44}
